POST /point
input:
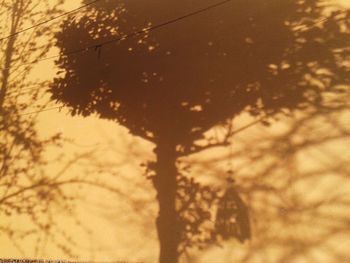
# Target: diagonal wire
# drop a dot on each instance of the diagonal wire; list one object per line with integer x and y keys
{"x": 132, "y": 34}
{"x": 49, "y": 20}
{"x": 147, "y": 29}
{"x": 151, "y": 28}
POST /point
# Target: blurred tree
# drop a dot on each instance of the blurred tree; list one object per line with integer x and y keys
{"x": 26, "y": 191}
{"x": 295, "y": 176}
{"x": 170, "y": 85}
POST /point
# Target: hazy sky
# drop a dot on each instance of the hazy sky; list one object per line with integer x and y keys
{"x": 118, "y": 232}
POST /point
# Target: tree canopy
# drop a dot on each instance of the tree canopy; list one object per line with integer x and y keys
{"x": 171, "y": 70}
{"x": 262, "y": 56}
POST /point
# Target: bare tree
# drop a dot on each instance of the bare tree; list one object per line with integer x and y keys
{"x": 26, "y": 190}
{"x": 295, "y": 180}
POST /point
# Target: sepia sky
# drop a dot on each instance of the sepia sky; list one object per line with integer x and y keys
{"x": 121, "y": 225}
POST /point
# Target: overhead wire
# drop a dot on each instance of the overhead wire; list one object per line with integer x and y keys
{"x": 151, "y": 28}
{"x": 132, "y": 34}
{"x": 129, "y": 35}
{"x": 49, "y": 20}
{"x": 17, "y": 93}
{"x": 43, "y": 110}
{"x": 146, "y": 30}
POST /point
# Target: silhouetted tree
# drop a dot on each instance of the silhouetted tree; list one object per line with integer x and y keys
{"x": 171, "y": 84}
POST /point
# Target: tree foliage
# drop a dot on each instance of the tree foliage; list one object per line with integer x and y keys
{"x": 188, "y": 69}
{"x": 201, "y": 70}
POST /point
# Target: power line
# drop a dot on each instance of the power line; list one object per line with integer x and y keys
{"x": 135, "y": 33}
{"x": 151, "y": 28}
{"x": 132, "y": 34}
{"x": 145, "y": 30}
{"x": 43, "y": 110}
{"x": 49, "y": 20}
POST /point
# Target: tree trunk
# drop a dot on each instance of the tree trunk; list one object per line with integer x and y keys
{"x": 167, "y": 221}
{"x": 9, "y": 53}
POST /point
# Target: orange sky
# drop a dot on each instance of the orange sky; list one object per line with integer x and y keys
{"x": 118, "y": 233}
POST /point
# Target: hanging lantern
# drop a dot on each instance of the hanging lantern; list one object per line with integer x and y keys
{"x": 232, "y": 218}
